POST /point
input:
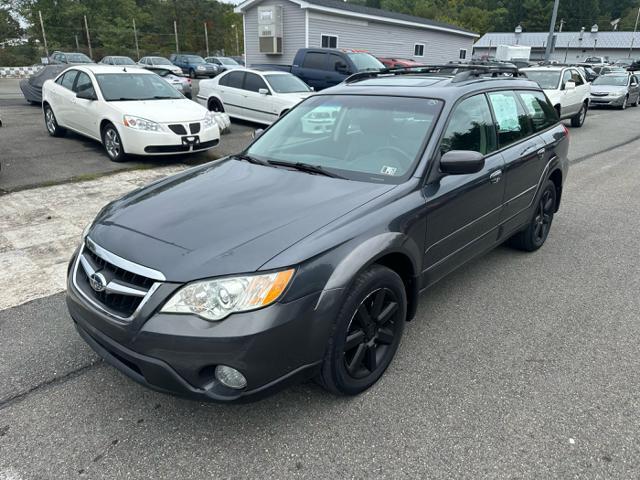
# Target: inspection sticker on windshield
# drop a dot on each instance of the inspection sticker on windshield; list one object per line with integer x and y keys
{"x": 388, "y": 170}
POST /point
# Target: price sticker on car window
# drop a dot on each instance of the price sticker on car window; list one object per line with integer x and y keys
{"x": 388, "y": 170}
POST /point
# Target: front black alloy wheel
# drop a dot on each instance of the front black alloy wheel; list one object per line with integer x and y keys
{"x": 367, "y": 332}
{"x": 536, "y": 233}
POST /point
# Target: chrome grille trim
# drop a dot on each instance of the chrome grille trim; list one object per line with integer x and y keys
{"x": 123, "y": 263}
{"x": 81, "y": 261}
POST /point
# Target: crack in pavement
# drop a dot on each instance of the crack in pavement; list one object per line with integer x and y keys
{"x": 18, "y": 397}
{"x": 600, "y": 152}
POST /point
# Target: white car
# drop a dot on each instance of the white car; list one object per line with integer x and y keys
{"x": 566, "y": 88}
{"x": 150, "y": 62}
{"x": 254, "y": 95}
{"x": 130, "y": 112}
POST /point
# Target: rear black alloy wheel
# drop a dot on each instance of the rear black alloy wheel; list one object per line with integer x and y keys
{"x": 215, "y": 105}
{"x": 113, "y": 144}
{"x": 536, "y": 233}
{"x": 50, "y": 121}
{"x": 367, "y": 332}
{"x": 578, "y": 119}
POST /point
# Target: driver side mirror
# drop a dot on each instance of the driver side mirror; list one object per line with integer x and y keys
{"x": 257, "y": 132}
{"x": 86, "y": 95}
{"x": 461, "y": 162}
{"x": 263, "y": 91}
{"x": 342, "y": 68}
{"x": 570, "y": 85}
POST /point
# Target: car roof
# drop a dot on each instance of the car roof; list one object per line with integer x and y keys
{"x": 103, "y": 68}
{"x": 551, "y": 68}
{"x": 259, "y": 71}
{"x": 445, "y": 87}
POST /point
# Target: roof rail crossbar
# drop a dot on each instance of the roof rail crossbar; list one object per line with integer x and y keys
{"x": 449, "y": 69}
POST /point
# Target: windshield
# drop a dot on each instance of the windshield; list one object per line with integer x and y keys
{"x": 160, "y": 61}
{"x": 613, "y": 80}
{"x": 194, "y": 59}
{"x": 364, "y": 61}
{"x": 546, "y": 80}
{"x": 135, "y": 86}
{"x": 367, "y": 138}
{"x": 78, "y": 58}
{"x": 228, "y": 61}
{"x": 286, "y": 84}
{"x": 123, "y": 61}
{"x": 593, "y": 60}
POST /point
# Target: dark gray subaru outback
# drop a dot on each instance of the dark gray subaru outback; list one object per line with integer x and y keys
{"x": 304, "y": 255}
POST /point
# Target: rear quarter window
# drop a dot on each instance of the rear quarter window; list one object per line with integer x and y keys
{"x": 539, "y": 110}
{"x": 512, "y": 121}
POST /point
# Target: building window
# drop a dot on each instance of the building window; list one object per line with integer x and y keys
{"x": 418, "y": 50}
{"x": 329, "y": 41}
{"x": 463, "y": 53}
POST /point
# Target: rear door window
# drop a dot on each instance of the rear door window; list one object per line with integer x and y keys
{"x": 511, "y": 120}
{"x": 315, "y": 60}
{"x": 68, "y": 78}
{"x": 232, "y": 79}
{"x": 540, "y": 111}
{"x": 470, "y": 127}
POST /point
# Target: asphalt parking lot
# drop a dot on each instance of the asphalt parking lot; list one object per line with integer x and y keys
{"x": 516, "y": 366}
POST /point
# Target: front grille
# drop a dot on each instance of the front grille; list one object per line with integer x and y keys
{"x": 194, "y": 127}
{"x": 118, "y": 304}
{"x": 178, "y": 129}
{"x": 599, "y": 94}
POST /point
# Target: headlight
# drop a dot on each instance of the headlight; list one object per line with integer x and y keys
{"x": 209, "y": 120}
{"x": 219, "y": 298}
{"x": 201, "y": 67}
{"x": 141, "y": 124}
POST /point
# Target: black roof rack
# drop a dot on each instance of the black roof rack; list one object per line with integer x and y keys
{"x": 459, "y": 71}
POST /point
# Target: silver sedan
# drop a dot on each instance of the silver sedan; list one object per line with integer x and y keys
{"x": 616, "y": 90}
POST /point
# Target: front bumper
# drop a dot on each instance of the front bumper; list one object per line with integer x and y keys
{"x": 607, "y": 101}
{"x": 273, "y": 347}
{"x": 137, "y": 142}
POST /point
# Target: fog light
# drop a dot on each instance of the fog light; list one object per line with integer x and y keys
{"x": 230, "y": 377}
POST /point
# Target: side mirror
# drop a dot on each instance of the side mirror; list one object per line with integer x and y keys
{"x": 342, "y": 68}
{"x": 461, "y": 162}
{"x": 263, "y": 91}
{"x": 86, "y": 95}
{"x": 570, "y": 85}
{"x": 257, "y": 132}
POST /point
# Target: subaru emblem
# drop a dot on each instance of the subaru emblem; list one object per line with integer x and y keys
{"x": 98, "y": 282}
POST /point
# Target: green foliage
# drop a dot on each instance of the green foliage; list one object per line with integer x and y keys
{"x": 111, "y": 26}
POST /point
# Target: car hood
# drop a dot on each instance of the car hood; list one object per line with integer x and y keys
{"x": 163, "y": 111}
{"x": 224, "y": 218}
{"x": 608, "y": 89}
{"x": 296, "y": 96}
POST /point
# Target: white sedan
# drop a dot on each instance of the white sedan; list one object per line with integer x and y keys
{"x": 254, "y": 95}
{"x": 130, "y": 111}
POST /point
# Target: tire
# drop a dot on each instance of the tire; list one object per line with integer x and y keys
{"x": 624, "y": 103}
{"x": 535, "y": 234}
{"x": 578, "y": 119}
{"x": 113, "y": 144}
{"x": 51, "y": 123}
{"x": 192, "y": 73}
{"x": 366, "y": 333}
{"x": 215, "y": 105}
{"x": 637, "y": 102}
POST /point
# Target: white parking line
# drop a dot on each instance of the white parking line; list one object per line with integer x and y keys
{"x": 39, "y": 229}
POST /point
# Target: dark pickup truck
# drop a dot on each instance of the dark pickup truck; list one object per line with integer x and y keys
{"x": 325, "y": 67}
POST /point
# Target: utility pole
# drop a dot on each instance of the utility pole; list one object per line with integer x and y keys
{"x": 562, "y": 22}
{"x": 175, "y": 32}
{"x": 44, "y": 36}
{"x": 235, "y": 29}
{"x": 77, "y": 44}
{"x": 206, "y": 38}
{"x": 635, "y": 29}
{"x": 552, "y": 27}
{"x": 135, "y": 36}
{"x": 86, "y": 26}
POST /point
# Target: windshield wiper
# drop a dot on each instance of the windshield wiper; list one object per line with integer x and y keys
{"x": 250, "y": 159}
{"x": 123, "y": 99}
{"x": 307, "y": 167}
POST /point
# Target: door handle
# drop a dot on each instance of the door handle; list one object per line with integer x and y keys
{"x": 496, "y": 176}
{"x": 541, "y": 152}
